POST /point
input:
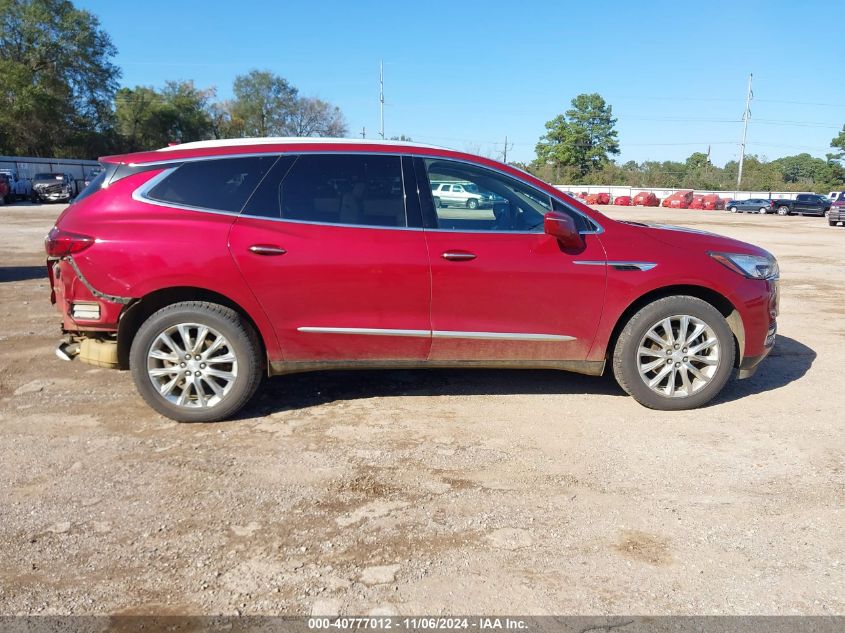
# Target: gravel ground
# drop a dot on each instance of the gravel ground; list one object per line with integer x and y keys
{"x": 411, "y": 492}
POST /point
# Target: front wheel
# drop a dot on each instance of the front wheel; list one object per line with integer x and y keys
{"x": 196, "y": 361}
{"x": 472, "y": 203}
{"x": 764, "y": 210}
{"x": 732, "y": 209}
{"x": 783, "y": 210}
{"x": 675, "y": 353}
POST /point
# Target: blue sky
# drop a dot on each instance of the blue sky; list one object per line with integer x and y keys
{"x": 465, "y": 74}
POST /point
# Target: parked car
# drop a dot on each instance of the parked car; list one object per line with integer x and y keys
{"x": 203, "y": 266}
{"x": 622, "y": 201}
{"x": 464, "y": 194}
{"x": 836, "y": 213}
{"x": 697, "y": 202}
{"x": 5, "y": 189}
{"x": 19, "y": 188}
{"x": 804, "y": 204}
{"x": 751, "y": 205}
{"x": 53, "y": 187}
{"x": 678, "y": 200}
{"x": 712, "y": 202}
{"x": 646, "y": 199}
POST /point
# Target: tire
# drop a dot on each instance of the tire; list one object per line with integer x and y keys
{"x": 239, "y": 341}
{"x": 472, "y": 203}
{"x": 732, "y": 209}
{"x": 783, "y": 210}
{"x": 627, "y": 358}
{"x": 437, "y": 202}
{"x": 831, "y": 223}
{"x": 764, "y": 210}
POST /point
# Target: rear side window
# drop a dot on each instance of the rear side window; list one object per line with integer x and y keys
{"x": 220, "y": 184}
{"x": 93, "y": 187}
{"x": 364, "y": 190}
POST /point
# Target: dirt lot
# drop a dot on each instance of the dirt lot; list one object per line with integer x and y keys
{"x": 472, "y": 492}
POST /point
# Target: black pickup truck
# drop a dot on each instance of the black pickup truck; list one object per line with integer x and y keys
{"x": 804, "y": 204}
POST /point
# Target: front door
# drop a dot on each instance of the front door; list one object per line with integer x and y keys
{"x": 501, "y": 288}
{"x": 324, "y": 244}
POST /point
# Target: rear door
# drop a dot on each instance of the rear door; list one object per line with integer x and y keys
{"x": 327, "y": 247}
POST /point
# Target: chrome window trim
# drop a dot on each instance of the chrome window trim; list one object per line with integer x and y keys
{"x": 138, "y": 194}
{"x": 489, "y": 336}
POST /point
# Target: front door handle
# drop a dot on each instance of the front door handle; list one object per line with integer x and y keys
{"x": 458, "y": 256}
{"x": 267, "y": 249}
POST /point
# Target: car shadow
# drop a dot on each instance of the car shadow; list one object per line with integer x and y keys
{"x": 22, "y": 273}
{"x": 298, "y": 391}
{"x": 787, "y": 362}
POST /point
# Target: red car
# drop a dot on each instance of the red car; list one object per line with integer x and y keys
{"x": 203, "y": 266}
{"x": 645, "y": 199}
{"x": 679, "y": 200}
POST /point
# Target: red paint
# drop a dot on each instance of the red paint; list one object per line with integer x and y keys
{"x": 358, "y": 277}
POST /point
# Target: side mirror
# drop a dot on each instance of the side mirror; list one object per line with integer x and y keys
{"x": 562, "y": 227}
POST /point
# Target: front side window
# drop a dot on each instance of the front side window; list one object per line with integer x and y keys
{"x": 222, "y": 184}
{"x": 356, "y": 189}
{"x": 492, "y": 201}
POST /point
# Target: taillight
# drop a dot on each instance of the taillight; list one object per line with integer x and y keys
{"x": 60, "y": 243}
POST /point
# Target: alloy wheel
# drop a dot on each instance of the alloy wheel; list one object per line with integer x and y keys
{"x": 192, "y": 365}
{"x": 678, "y": 356}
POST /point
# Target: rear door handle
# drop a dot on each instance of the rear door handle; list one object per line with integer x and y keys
{"x": 458, "y": 256}
{"x": 267, "y": 249}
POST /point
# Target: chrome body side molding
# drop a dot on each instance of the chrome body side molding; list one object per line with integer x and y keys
{"x": 366, "y": 331}
{"x": 487, "y": 336}
{"x": 618, "y": 265}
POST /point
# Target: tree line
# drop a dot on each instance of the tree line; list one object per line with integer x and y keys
{"x": 59, "y": 94}
{"x": 579, "y": 145}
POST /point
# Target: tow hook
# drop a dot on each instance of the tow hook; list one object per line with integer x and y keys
{"x": 67, "y": 351}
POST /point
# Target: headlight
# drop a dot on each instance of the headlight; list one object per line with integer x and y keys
{"x": 751, "y": 266}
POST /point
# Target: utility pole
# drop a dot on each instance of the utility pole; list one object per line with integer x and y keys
{"x": 364, "y": 132}
{"x": 745, "y": 116}
{"x": 381, "y": 96}
{"x": 505, "y": 153}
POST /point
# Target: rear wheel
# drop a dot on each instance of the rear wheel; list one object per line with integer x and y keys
{"x": 675, "y": 353}
{"x": 196, "y": 361}
{"x": 783, "y": 210}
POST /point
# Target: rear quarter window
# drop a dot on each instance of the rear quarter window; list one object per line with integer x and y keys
{"x": 223, "y": 184}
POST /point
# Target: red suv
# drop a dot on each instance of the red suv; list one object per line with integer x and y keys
{"x": 202, "y": 266}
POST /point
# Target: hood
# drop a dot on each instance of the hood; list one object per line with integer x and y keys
{"x": 695, "y": 239}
